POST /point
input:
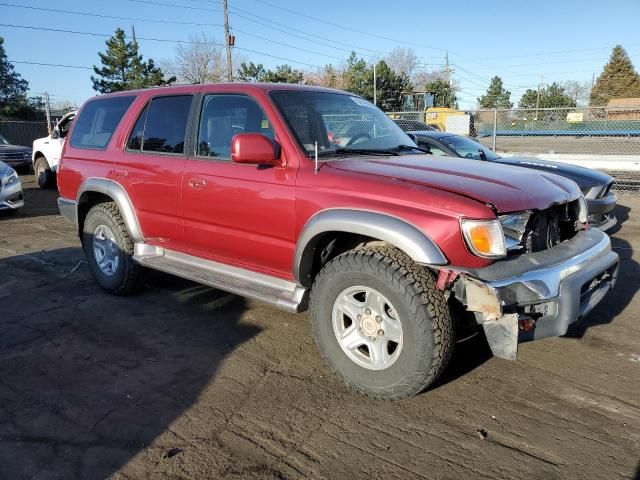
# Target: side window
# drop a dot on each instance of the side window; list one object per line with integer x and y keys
{"x": 97, "y": 122}
{"x": 222, "y": 117}
{"x": 438, "y": 152}
{"x": 162, "y": 125}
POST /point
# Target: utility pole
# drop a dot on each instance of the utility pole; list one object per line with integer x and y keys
{"x": 47, "y": 110}
{"x": 538, "y": 96}
{"x": 375, "y": 87}
{"x": 227, "y": 37}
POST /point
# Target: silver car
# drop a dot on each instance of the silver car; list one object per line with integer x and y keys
{"x": 11, "y": 196}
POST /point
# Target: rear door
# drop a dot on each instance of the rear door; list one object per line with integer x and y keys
{"x": 151, "y": 168}
{"x": 236, "y": 213}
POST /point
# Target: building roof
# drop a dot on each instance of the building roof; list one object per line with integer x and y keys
{"x": 623, "y": 103}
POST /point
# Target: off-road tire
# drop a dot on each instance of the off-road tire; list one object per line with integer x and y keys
{"x": 128, "y": 277}
{"x": 47, "y": 178}
{"x": 428, "y": 330}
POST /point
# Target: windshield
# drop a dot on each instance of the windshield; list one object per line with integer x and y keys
{"x": 3, "y": 141}
{"x": 338, "y": 122}
{"x": 467, "y": 148}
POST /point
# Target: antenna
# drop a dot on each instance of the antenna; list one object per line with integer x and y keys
{"x": 315, "y": 161}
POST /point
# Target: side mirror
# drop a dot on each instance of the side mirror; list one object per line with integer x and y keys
{"x": 254, "y": 148}
{"x": 55, "y": 133}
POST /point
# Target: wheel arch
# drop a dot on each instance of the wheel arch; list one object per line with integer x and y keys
{"x": 365, "y": 226}
{"x": 99, "y": 190}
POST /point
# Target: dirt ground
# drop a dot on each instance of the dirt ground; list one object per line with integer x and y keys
{"x": 183, "y": 381}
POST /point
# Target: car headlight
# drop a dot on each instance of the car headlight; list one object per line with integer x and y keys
{"x": 514, "y": 226}
{"x": 592, "y": 192}
{"x": 26, "y": 154}
{"x": 11, "y": 178}
{"x": 583, "y": 210}
{"x": 484, "y": 237}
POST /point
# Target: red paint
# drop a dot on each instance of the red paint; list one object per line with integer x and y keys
{"x": 253, "y": 148}
{"x": 247, "y": 215}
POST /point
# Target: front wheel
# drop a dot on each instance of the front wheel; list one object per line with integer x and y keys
{"x": 45, "y": 177}
{"x": 381, "y": 323}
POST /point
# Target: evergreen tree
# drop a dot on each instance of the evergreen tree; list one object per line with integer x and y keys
{"x": 124, "y": 68}
{"x": 553, "y": 96}
{"x": 445, "y": 95}
{"x": 617, "y": 80}
{"x": 358, "y": 77}
{"x": 496, "y": 96}
{"x": 251, "y": 72}
{"x": 13, "y": 88}
{"x": 390, "y": 87}
{"x": 283, "y": 74}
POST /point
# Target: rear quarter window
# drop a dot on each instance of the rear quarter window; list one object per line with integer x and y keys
{"x": 98, "y": 120}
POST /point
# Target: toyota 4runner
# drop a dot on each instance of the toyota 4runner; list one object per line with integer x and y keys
{"x": 310, "y": 198}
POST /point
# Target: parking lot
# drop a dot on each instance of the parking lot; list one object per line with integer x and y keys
{"x": 186, "y": 381}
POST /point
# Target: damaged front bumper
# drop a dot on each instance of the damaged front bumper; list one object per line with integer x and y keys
{"x": 539, "y": 295}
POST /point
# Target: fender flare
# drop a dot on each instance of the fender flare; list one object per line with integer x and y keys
{"x": 115, "y": 191}
{"x": 390, "y": 229}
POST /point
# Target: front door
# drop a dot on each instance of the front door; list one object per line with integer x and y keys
{"x": 237, "y": 214}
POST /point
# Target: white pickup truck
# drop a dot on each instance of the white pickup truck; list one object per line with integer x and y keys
{"x": 47, "y": 150}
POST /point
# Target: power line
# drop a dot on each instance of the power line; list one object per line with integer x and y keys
{"x": 114, "y": 17}
{"x": 75, "y": 32}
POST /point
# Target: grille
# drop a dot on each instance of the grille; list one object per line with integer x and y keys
{"x": 11, "y": 156}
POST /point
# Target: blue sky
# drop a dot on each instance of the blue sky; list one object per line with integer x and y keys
{"x": 523, "y": 42}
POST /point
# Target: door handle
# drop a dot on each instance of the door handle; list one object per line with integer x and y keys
{"x": 120, "y": 173}
{"x": 197, "y": 183}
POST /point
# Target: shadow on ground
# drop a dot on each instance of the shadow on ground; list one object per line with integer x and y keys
{"x": 81, "y": 393}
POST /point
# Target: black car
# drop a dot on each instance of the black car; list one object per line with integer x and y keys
{"x": 596, "y": 186}
{"x": 14, "y": 155}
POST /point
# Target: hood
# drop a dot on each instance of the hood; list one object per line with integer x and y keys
{"x": 13, "y": 149}
{"x": 4, "y": 170}
{"x": 584, "y": 177}
{"x": 506, "y": 188}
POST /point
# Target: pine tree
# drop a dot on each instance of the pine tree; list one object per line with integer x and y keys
{"x": 124, "y": 68}
{"x": 553, "y": 96}
{"x": 617, "y": 80}
{"x": 496, "y": 96}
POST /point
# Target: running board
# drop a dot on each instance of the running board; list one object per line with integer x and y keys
{"x": 276, "y": 291}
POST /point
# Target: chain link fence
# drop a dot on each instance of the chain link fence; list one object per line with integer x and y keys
{"x": 604, "y": 138}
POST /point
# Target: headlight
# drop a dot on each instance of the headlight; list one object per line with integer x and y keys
{"x": 592, "y": 192}
{"x": 484, "y": 237}
{"x": 583, "y": 210}
{"x": 514, "y": 225}
{"x": 26, "y": 155}
{"x": 11, "y": 178}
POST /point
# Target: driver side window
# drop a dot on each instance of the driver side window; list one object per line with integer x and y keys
{"x": 224, "y": 116}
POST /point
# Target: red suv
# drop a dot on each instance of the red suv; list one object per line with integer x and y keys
{"x": 310, "y": 198}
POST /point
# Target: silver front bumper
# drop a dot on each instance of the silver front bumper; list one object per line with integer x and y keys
{"x": 11, "y": 196}
{"x": 554, "y": 289}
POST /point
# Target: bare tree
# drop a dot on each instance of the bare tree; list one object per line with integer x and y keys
{"x": 578, "y": 91}
{"x": 199, "y": 61}
{"x": 329, "y": 76}
{"x": 402, "y": 61}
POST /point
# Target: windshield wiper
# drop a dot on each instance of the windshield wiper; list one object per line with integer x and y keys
{"x": 357, "y": 151}
{"x": 400, "y": 148}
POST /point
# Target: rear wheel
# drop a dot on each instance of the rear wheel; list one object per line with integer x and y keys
{"x": 109, "y": 250}
{"x": 45, "y": 177}
{"x": 381, "y": 323}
